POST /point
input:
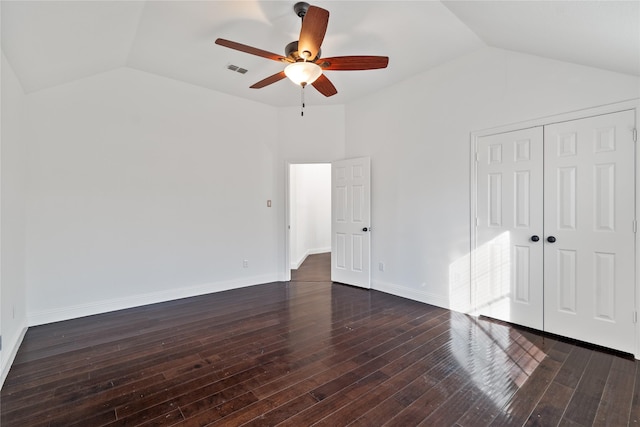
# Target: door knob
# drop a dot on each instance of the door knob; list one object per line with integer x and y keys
{"x": 365, "y": 229}
{"x": 535, "y": 238}
{"x": 551, "y": 239}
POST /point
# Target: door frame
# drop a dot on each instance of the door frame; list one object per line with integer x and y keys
{"x": 287, "y": 210}
{"x": 633, "y": 104}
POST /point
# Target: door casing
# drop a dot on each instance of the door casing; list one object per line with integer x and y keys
{"x": 287, "y": 221}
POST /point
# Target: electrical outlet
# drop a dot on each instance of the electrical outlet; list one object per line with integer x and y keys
{"x": 381, "y": 266}
{"x": 245, "y": 263}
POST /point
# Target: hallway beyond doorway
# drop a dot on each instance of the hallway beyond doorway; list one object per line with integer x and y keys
{"x": 316, "y": 268}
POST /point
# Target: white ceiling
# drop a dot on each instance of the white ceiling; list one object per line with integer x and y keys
{"x": 54, "y": 42}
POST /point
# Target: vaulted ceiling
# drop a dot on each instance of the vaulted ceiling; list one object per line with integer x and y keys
{"x": 49, "y": 43}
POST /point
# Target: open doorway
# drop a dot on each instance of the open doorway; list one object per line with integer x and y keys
{"x": 309, "y": 222}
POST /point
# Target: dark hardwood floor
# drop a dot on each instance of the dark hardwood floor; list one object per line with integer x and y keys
{"x": 310, "y": 353}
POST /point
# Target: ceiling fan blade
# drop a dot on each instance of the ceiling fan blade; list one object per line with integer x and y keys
{"x": 269, "y": 80}
{"x": 324, "y": 86}
{"x": 353, "y": 63}
{"x": 314, "y": 27}
{"x": 249, "y": 49}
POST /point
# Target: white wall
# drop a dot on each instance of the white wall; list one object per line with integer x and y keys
{"x": 319, "y": 136}
{"x": 143, "y": 189}
{"x": 418, "y": 136}
{"x": 13, "y": 320}
{"x": 310, "y": 217}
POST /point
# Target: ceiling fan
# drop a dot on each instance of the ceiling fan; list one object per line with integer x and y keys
{"x": 303, "y": 56}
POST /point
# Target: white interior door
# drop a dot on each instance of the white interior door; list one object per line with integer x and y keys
{"x": 350, "y": 222}
{"x": 509, "y": 250}
{"x": 589, "y": 230}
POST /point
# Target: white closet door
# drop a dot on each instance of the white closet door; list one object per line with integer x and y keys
{"x": 589, "y": 214}
{"x": 508, "y": 257}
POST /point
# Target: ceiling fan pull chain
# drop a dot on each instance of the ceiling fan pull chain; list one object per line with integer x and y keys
{"x": 302, "y": 100}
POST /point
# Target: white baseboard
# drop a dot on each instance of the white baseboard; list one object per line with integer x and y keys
{"x": 411, "y": 293}
{"x": 11, "y": 349}
{"x": 89, "y": 309}
{"x": 296, "y": 265}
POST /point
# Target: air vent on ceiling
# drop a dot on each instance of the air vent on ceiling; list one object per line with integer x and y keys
{"x": 236, "y": 69}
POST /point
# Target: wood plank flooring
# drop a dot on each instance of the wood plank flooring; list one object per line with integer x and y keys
{"x": 310, "y": 353}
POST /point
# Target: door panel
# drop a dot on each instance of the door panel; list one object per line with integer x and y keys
{"x": 508, "y": 264}
{"x": 589, "y": 210}
{"x": 351, "y": 213}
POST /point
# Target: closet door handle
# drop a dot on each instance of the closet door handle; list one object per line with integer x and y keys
{"x": 535, "y": 238}
{"x": 551, "y": 239}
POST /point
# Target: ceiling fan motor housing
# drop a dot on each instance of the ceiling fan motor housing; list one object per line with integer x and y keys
{"x": 291, "y": 51}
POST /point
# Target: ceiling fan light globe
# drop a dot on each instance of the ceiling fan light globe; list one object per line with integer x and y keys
{"x": 303, "y": 72}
